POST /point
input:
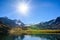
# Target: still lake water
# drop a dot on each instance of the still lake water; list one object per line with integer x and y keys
{"x": 32, "y": 37}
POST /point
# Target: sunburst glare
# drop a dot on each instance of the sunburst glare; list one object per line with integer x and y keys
{"x": 23, "y": 7}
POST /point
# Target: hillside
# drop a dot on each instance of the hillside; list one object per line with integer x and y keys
{"x": 52, "y": 24}
{"x": 11, "y": 23}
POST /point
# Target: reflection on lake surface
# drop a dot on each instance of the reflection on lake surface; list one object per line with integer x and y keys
{"x": 31, "y": 37}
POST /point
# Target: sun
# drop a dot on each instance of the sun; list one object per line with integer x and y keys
{"x": 23, "y": 8}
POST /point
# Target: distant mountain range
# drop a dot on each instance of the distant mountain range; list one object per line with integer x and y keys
{"x": 52, "y": 24}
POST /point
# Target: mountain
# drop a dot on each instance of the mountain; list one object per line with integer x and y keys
{"x": 11, "y": 23}
{"x": 57, "y": 21}
{"x": 52, "y": 24}
{"x": 6, "y": 24}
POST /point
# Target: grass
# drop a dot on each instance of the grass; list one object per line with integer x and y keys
{"x": 20, "y": 31}
{"x": 42, "y": 31}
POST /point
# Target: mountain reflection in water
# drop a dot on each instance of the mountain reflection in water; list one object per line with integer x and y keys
{"x": 31, "y": 37}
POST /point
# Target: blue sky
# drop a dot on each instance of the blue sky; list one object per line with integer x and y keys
{"x": 40, "y": 10}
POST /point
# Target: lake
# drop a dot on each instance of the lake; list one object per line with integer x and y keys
{"x": 31, "y": 37}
